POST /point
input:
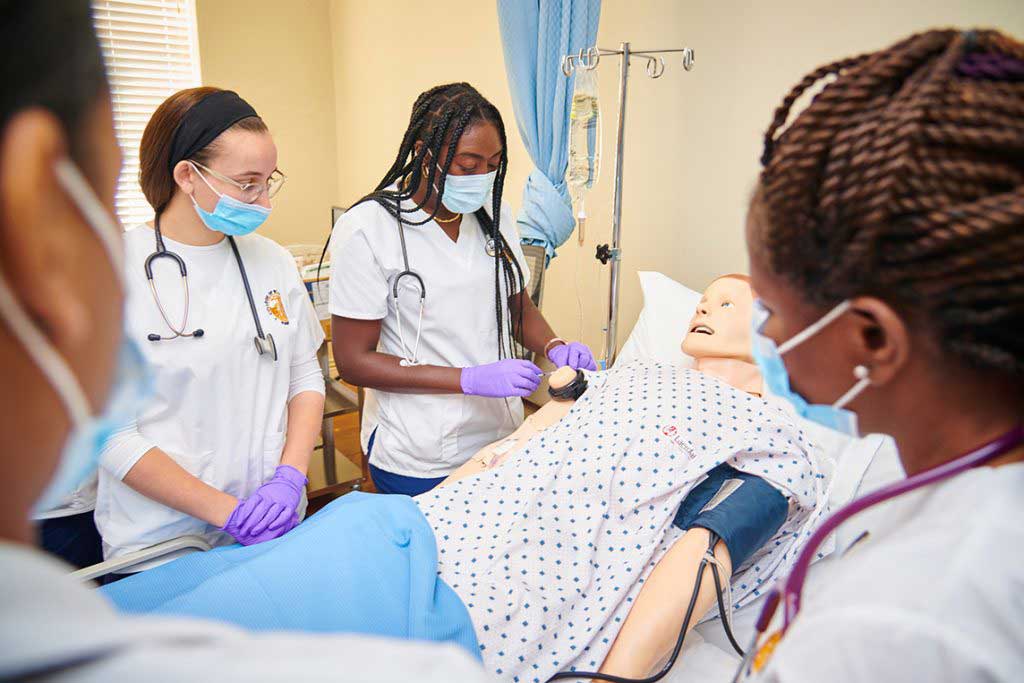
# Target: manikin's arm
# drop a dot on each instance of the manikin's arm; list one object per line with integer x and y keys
{"x": 498, "y": 452}
{"x": 745, "y": 512}
{"x": 652, "y": 627}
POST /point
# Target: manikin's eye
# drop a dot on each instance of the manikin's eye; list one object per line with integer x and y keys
{"x": 727, "y": 304}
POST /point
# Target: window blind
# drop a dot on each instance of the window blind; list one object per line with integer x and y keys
{"x": 151, "y": 50}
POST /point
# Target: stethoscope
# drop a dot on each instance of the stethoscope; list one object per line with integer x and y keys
{"x": 264, "y": 342}
{"x": 410, "y": 357}
{"x": 788, "y": 595}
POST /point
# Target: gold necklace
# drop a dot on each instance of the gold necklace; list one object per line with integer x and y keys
{"x": 444, "y": 221}
{"x": 447, "y": 220}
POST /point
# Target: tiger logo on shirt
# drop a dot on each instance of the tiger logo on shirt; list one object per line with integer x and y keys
{"x": 275, "y": 306}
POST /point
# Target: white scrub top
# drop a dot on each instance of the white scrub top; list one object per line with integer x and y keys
{"x": 219, "y": 408}
{"x": 53, "y": 629}
{"x": 934, "y": 593}
{"x": 425, "y": 435}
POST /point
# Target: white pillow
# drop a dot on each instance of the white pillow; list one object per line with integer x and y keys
{"x": 659, "y": 331}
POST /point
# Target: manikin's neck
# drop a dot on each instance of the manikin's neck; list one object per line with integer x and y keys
{"x": 180, "y": 222}
{"x": 740, "y": 374}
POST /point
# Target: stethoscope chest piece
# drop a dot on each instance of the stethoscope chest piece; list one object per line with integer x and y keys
{"x": 491, "y": 247}
{"x": 266, "y": 345}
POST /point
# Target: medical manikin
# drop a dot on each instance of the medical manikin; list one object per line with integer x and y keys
{"x": 734, "y": 511}
{"x": 723, "y": 352}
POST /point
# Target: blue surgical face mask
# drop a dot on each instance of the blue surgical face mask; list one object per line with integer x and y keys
{"x": 776, "y": 378}
{"x": 80, "y": 455}
{"x": 230, "y": 216}
{"x": 467, "y": 193}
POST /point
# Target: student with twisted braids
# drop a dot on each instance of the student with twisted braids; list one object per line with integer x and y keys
{"x": 894, "y": 205}
{"x": 428, "y": 298}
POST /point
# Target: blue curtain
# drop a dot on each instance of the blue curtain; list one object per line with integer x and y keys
{"x": 536, "y": 34}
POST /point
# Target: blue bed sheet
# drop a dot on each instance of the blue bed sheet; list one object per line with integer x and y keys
{"x": 364, "y": 564}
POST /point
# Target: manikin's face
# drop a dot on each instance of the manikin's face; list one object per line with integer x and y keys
{"x": 721, "y": 325}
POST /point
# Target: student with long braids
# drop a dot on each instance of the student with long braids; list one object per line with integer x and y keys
{"x": 886, "y": 241}
{"x": 428, "y": 298}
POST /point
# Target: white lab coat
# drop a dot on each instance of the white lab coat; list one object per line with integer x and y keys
{"x": 934, "y": 593}
{"x": 61, "y": 631}
{"x": 219, "y": 409}
{"x": 425, "y": 435}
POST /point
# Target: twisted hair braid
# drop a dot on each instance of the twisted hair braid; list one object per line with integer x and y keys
{"x": 904, "y": 179}
{"x": 439, "y": 118}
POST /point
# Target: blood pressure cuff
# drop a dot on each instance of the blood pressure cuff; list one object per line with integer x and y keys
{"x": 744, "y": 510}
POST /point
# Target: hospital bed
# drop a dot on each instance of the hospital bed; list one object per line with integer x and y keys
{"x": 168, "y": 550}
{"x": 862, "y": 465}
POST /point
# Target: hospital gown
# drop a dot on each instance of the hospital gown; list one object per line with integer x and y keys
{"x": 550, "y": 550}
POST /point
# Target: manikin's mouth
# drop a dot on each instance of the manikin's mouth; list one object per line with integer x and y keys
{"x": 701, "y": 329}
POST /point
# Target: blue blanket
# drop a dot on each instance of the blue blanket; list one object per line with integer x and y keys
{"x": 364, "y": 564}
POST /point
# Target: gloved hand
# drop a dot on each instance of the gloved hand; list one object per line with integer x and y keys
{"x": 509, "y": 377}
{"x": 257, "y": 510}
{"x": 285, "y": 488}
{"x": 576, "y": 355}
{"x": 270, "y": 511}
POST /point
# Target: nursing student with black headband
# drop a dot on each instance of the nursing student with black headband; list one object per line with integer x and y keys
{"x": 225, "y": 322}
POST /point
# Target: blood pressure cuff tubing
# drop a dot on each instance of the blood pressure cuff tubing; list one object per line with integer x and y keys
{"x": 743, "y": 509}
{"x": 208, "y": 118}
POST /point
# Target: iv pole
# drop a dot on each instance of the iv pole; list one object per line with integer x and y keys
{"x": 588, "y": 60}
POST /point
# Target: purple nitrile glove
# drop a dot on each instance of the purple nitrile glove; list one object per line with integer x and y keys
{"x": 576, "y": 355}
{"x": 509, "y": 377}
{"x": 270, "y": 511}
{"x": 255, "y": 507}
{"x": 257, "y": 510}
{"x": 285, "y": 490}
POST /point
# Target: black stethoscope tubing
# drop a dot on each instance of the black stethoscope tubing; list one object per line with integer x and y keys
{"x": 264, "y": 342}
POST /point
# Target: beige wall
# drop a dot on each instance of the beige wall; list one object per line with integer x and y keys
{"x": 277, "y": 55}
{"x": 693, "y": 139}
{"x": 385, "y": 54}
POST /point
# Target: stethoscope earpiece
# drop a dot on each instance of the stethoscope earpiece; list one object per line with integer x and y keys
{"x": 154, "y": 337}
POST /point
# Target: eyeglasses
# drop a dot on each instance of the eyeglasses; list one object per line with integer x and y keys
{"x": 250, "y": 192}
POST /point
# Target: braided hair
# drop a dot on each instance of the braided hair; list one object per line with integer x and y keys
{"x": 439, "y": 118}
{"x": 904, "y": 179}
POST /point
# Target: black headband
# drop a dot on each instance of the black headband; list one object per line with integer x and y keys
{"x": 208, "y": 118}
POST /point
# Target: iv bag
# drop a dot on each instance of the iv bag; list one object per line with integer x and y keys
{"x": 584, "y": 143}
